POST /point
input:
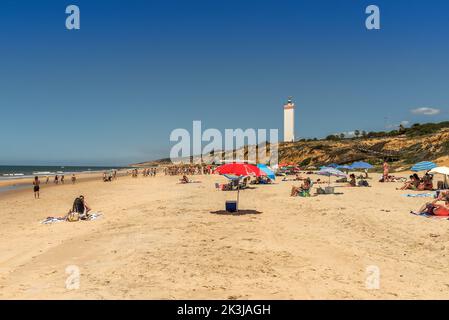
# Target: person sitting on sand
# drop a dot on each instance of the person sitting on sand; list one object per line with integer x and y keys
{"x": 184, "y": 179}
{"x": 352, "y": 181}
{"x": 427, "y": 182}
{"x": 408, "y": 184}
{"x": 80, "y": 207}
{"x": 304, "y": 187}
{"x": 434, "y": 209}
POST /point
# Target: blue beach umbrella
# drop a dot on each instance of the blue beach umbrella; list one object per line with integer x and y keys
{"x": 361, "y": 165}
{"x": 346, "y": 167}
{"x": 424, "y": 166}
{"x": 267, "y": 170}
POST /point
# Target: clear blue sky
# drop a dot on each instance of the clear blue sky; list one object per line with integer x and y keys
{"x": 112, "y": 92}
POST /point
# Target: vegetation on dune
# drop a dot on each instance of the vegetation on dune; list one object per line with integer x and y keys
{"x": 402, "y": 147}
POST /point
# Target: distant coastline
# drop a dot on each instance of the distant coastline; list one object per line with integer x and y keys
{"x": 23, "y": 172}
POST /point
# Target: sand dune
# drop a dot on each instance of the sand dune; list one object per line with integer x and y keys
{"x": 159, "y": 239}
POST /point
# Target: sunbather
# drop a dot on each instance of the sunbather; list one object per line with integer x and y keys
{"x": 432, "y": 208}
{"x": 184, "y": 179}
{"x": 426, "y": 182}
{"x": 304, "y": 187}
{"x": 412, "y": 184}
{"x": 352, "y": 181}
{"x": 80, "y": 208}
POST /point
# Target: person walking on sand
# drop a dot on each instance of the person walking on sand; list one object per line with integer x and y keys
{"x": 47, "y": 180}
{"x": 56, "y": 179}
{"x": 36, "y": 187}
{"x": 73, "y": 179}
{"x": 62, "y": 179}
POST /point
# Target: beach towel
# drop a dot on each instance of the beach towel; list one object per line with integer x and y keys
{"x": 92, "y": 216}
{"x": 419, "y": 195}
{"x": 430, "y": 216}
{"x": 50, "y": 220}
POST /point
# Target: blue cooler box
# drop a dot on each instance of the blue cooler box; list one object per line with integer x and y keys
{"x": 231, "y": 206}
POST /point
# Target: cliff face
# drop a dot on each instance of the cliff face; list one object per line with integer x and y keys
{"x": 401, "y": 150}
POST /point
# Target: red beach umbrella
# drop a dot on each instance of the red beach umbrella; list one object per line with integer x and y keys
{"x": 240, "y": 169}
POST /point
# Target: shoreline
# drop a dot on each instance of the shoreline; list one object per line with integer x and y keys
{"x": 20, "y": 185}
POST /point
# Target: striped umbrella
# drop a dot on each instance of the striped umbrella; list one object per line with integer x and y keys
{"x": 424, "y": 166}
{"x": 267, "y": 170}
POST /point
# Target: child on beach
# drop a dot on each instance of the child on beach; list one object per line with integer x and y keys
{"x": 73, "y": 179}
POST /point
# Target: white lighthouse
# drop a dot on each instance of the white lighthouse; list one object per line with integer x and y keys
{"x": 289, "y": 121}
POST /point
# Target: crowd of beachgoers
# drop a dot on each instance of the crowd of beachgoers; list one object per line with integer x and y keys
{"x": 439, "y": 206}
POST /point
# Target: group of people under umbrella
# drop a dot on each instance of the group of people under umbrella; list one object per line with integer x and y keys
{"x": 238, "y": 171}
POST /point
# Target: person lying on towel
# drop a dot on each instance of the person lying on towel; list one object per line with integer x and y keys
{"x": 435, "y": 209}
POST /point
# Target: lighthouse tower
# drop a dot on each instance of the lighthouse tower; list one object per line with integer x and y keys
{"x": 289, "y": 121}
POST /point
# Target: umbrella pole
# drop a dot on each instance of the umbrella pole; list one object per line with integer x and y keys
{"x": 238, "y": 196}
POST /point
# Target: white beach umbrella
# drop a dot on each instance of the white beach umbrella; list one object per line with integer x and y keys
{"x": 440, "y": 170}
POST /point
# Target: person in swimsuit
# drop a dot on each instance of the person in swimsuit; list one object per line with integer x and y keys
{"x": 80, "y": 206}
{"x": 432, "y": 208}
{"x": 56, "y": 179}
{"x": 386, "y": 168}
{"x": 36, "y": 187}
{"x": 73, "y": 179}
{"x": 352, "y": 181}
{"x": 304, "y": 187}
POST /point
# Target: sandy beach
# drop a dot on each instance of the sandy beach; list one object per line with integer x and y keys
{"x": 161, "y": 240}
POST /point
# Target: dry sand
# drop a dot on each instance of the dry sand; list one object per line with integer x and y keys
{"x": 161, "y": 240}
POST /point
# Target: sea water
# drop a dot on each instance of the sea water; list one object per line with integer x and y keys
{"x": 18, "y": 172}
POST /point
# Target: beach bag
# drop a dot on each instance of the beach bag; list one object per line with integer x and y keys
{"x": 73, "y": 217}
